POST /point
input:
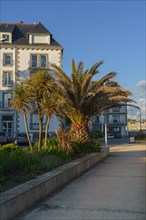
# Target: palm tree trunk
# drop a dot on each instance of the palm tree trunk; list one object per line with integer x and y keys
{"x": 40, "y": 132}
{"x": 46, "y": 131}
{"x": 79, "y": 132}
{"x": 27, "y": 130}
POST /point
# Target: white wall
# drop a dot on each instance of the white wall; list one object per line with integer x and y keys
{"x": 24, "y": 57}
{"x": 24, "y": 60}
{"x": 7, "y": 68}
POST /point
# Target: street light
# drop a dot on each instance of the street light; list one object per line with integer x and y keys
{"x": 105, "y": 129}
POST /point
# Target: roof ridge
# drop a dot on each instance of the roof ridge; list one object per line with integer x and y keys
{"x": 17, "y": 23}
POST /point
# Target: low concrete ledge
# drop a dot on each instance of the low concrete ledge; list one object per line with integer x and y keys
{"x": 22, "y": 197}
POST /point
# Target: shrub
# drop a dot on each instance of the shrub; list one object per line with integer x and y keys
{"x": 54, "y": 147}
{"x": 96, "y": 134}
{"x": 140, "y": 135}
{"x": 10, "y": 146}
{"x": 64, "y": 142}
{"x": 21, "y": 165}
{"x": 90, "y": 147}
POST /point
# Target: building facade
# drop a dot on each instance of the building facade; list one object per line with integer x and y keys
{"x": 23, "y": 47}
{"x": 116, "y": 120}
{"x": 136, "y": 125}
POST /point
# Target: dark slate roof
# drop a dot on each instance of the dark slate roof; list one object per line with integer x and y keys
{"x": 6, "y": 27}
{"x": 39, "y": 28}
{"x": 20, "y": 32}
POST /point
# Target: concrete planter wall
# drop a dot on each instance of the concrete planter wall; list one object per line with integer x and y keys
{"x": 16, "y": 200}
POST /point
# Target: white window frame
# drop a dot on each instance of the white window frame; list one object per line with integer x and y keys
{"x": 7, "y": 95}
{"x": 39, "y": 61}
{"x": 4, "y": 59}
{"x": 7, "y": 79}
{"x": 7, "y": 37}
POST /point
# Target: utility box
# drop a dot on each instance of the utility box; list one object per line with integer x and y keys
{"x": 132, "y": 140}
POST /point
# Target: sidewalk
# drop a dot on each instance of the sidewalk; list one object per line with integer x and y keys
{"x": 113, "y": 190}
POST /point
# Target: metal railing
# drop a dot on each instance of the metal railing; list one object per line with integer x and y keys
{"x": 5, "y": 106}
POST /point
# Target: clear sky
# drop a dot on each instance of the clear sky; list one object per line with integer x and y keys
{"x": 89, "y": 31}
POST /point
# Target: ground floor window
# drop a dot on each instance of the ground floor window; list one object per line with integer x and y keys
{"x": 7, "y": 125}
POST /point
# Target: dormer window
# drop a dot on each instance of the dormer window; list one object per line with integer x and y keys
{"x": 39, "y": 39}
{"x": 6, "y": 38}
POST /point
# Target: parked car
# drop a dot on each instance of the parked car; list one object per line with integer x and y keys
{"x": 110, "y": 135}
{"x": 21, "y": 138}
{"x": 3, "y": 138}
{"x": 117, "y": 135}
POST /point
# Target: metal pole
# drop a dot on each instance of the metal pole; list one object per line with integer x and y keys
{"x": 105, "y": 129}
{"x": 140, "y": 118}
{"x": 102, "y": 118}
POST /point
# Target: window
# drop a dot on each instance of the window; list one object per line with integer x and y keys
{"x": 97, "y": 119}
{"x": 34, "y": 61}
{"x": 34, "y": 119}
{"x": 38, "y": 61}
{"x": 116, "y": 119}
{"x": 34, "y": 124}
{"x": 7, "y": 95}
{"x": 43, "y": 59}
{"x": 5, "y": 38}
{"x": 116, "y": 109}
{"x": 116, "y": 129}
{"x": 7, "y": 79}
{"x": 7, "y": 61}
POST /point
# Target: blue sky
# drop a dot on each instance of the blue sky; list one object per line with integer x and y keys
{"x": 89, "y": 31}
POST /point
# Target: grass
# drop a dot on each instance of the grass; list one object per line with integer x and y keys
{"x": 18, "y": 165}
{"x": 21, "y": 165}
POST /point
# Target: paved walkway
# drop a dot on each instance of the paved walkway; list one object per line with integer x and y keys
{"x": 113, "y": 190}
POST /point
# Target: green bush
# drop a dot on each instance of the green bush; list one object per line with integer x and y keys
{"x": 10, "y": 146}
{"x": 96, "y": 134}
{"x": 22, "y": 164}
{"x": 140, "y": 136}
{"x": 90, "y": 147}
{"x": 54, "y": 148}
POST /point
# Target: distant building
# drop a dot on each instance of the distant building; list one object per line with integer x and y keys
{"x": 23, "y": 47}
{"x": 136, "y": 125}
{"x": 116, "y": 119}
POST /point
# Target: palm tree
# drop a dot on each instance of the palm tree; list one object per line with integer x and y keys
{"x": 21, "y": 102}
{"x": 81, "y": 97}
{"x": 39, "y": 82}
{"x": 48, "y": 106}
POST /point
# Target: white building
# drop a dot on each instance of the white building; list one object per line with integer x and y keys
{"x": 23, "y": 47}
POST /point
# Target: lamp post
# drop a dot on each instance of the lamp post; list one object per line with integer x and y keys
{"x": 105, "y": 129}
